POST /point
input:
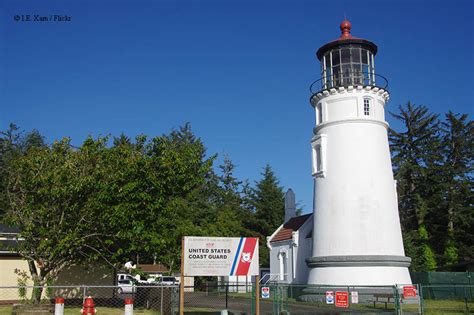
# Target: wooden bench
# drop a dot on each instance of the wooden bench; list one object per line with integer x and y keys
{"x": 383, "y": 298}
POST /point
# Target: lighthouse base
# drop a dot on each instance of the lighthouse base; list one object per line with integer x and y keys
{"x": 359, "y": 270}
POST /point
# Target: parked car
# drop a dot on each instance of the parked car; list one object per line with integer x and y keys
{"x": 126, "y": 286}
{"x": 168, "y": 281}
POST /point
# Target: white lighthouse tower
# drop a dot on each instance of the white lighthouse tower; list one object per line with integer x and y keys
{"x": 357, "y": 238}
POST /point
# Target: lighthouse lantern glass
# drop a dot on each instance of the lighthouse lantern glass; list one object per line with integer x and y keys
{"x": 348, "y": 65}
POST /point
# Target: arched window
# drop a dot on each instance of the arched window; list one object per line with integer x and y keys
{"x": 283, "y": 268}
{"x": 366, "y": 107}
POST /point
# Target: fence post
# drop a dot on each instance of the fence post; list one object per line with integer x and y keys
{"x": 349, "y": 297}
{"x": 422, "y": 301}
{"x": 227, "y": 294}
{"x": 397, "y": 300}
{"x": 161, "y": 302}
{"x": 253, "y": 299}
{"x": 59, "y": 306}
{"x": 465, "y": 301}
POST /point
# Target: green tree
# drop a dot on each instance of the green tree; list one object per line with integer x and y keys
{"x": 416, "y": 161}
{"x": 47, "y": 191}
{"x": 14, "y": 142}
{"x": 458, "y": 215}
{"x": 268, "y": 200}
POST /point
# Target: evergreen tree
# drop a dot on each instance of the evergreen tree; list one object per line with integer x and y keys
{"x": 458, "y": 228}
{"x": 14, "y": 143}
{"x": 416, "y": 162}
{"x": 268, "y": 200}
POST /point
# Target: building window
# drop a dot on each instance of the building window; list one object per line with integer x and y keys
{"x": 283, "y": 272}
{"x": 366, "y": 107}
{"x": 319, "y": 156}
{"x": 319, "y": 165}
{"x": 319, "y": 114}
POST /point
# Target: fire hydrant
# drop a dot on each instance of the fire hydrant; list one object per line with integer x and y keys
{"x": 88, "y": 307}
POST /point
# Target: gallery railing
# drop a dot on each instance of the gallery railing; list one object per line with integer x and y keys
{"x": 348, "y": 78}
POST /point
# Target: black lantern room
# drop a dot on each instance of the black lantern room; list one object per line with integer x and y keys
{"x": 347, "y": 61}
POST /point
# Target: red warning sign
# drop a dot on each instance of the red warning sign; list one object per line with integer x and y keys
{"x": 409, "y": 291}
{"x": 342, "y": 299}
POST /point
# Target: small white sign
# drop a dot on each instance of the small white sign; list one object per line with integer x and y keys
{"x": 265, "y": 292}
{"x": 354, "y": 297}
{"x": 329, "y": 297}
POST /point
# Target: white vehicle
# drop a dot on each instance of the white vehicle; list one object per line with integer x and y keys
{"x": 126, "y": 286}
{"x": 167, "y": 281}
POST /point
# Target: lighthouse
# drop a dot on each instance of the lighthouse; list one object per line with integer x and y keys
{"x": 357, "y": 238}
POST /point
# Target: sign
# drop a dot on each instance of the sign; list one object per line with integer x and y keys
{"x": 265, "y": 292}
{"x": 342, "y": 299}
{"x": 329, "y": 297}
{"x": 354, "y": 297}
{"x": 220, "y": 256}
{"x": 409, "y": 291}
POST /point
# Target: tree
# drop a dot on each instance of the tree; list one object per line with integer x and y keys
{"x": 268, "y": 200}
{"x": 49, "y": 190}
{"x": 458, "y": 148}
{"x": 416, "y": 161}
{"x": 113, "y": 204}
{"x": 14, "y": 142}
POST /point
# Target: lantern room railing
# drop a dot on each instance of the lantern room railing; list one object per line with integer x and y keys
{"x": 354, "y": 78}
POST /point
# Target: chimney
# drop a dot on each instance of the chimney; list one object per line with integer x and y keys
{"x": 290, "y": 206}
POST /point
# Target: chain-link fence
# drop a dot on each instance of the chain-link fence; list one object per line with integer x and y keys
{"x": 147, "y": 299}
{"x": 236, "y": 298}
{"x": 310, "y": 299}
{"x": 447, "y": 299}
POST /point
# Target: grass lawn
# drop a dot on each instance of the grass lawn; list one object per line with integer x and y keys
{"x": 7, "y": 310}
{"x": 109, "y": 311}
{"x": 431, "y": 307}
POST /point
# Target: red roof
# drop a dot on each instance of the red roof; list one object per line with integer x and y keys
{"x": 289, "y": 227}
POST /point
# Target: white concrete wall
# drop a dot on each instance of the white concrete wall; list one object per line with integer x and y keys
{"x": 277, "y": 247}
{"x": 361, "y": 275}
{"x": 357, "y": 195}
{"x": 304, "y": 250}
{"x": 297, "y": 269}
{"x": 355, "y": 202}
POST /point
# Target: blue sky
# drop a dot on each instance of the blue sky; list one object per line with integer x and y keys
{"x": 239, "y": 71}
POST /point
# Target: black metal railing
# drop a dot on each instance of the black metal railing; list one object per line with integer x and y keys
{"x": 345, "y": 79}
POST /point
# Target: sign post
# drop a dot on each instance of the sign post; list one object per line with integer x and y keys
{"x": 181, "y": 284}
{"x": 257, "y": 295}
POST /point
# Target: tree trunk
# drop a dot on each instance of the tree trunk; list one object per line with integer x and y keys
{"x": 38, "y": 282}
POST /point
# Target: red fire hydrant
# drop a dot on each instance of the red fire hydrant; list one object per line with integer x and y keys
{"x": 88, "y": 307}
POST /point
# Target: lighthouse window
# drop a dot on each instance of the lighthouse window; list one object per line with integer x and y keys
{"x": 366, "y": 107}
{"x": 335, "y": 58}
{"x": 319, "y": 114}
{"x": 349, "y": 65}
{"x": 364, "y": 56}
{"x": 318, "y": 155}
{"x": 318, "y": 158}
{"x": 355, "y": 52}
{"x": 345, "y": 56}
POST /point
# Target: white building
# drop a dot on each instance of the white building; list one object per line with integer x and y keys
{"x": 357, "y": 237}
{"x": 290, "y": 246}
